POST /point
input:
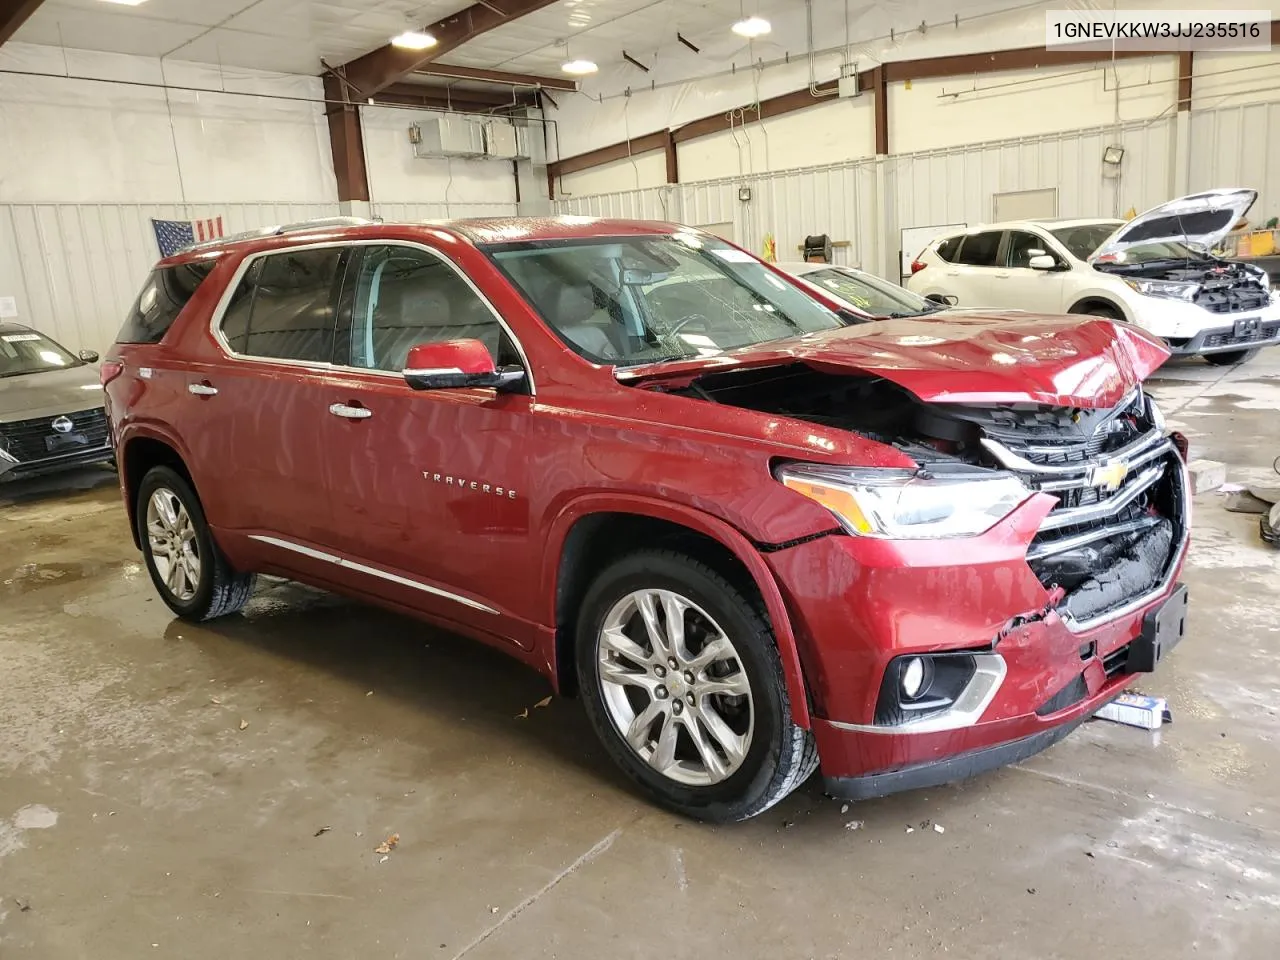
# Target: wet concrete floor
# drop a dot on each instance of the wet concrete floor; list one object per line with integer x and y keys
{"x": 168, "y": 790}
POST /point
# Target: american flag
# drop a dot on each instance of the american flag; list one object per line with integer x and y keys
{"x": 173, "y": 235}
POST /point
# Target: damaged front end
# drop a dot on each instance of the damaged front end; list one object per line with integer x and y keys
{"x": 1119, "y": 528}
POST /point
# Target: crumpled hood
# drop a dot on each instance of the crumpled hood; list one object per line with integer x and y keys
{"x": 50, "y": 393}
{"x": 1200, "y": 220}
{"x": 962, "y": 357}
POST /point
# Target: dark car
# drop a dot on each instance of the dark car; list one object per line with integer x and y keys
{"x": 752, "y": 536}
{"x": 51, "y": 405}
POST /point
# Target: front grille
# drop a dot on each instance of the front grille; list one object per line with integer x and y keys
{"x": 1121, "y": 510}
{"x": 1263, "y": 331}
{"x": 1232, "y": 298}
{"x": 28, "y": 440}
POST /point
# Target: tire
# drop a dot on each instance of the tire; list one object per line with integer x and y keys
{"x": 216, "y": 589}
{"x": 1099, "y": 310}
{"x": 1229, "y": 358}
{"x": 773, "y": 754}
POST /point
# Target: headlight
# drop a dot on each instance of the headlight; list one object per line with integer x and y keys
{"x": 898, "y": 505}
{"x": 1165, "y": 288}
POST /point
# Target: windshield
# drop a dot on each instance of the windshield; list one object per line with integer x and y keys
{"x": 26, "y": 351}
{"x": 871, "y": 294}
{"x": 1083, "y": 240}
{"x": 632, "y": 300}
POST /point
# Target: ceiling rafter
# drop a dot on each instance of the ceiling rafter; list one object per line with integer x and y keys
{"x": 377, "y": 70}
{"x": 13, "y": 14}
{"x": 494, "y": 76}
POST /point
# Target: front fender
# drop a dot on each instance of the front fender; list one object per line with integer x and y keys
{"x": 720, "y": 531}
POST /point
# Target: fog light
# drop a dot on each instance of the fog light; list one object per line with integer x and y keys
{"x": 912, "y": 678}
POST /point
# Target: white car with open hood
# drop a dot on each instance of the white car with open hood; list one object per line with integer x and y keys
{"x": 1155, "y": 271}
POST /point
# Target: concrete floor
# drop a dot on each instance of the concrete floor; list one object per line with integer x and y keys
{"x": 138, "y": 818}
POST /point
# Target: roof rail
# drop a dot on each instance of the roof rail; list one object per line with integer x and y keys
{"x": 281, "y": 229}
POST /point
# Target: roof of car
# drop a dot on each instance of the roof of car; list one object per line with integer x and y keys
{"x": 801, "y": 267}
{"x": 479, "y": 230}
{"x": 1051, "y": 222}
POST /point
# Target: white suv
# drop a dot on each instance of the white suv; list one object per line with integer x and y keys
{"x": 1154, "y": 271}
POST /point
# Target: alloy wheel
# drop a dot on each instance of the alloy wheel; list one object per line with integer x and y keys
{"x": 674, "y": 687}
{"x": 175, "y": 551}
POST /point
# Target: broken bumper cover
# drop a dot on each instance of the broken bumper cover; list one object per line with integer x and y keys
{"x": 859, "y": 605}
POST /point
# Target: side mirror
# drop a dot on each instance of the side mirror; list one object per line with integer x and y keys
{"x": 946, "y": 299}
{"x": 1042, "y": 261}
{"x": 450, "y": 364}
{"x": 89, "y": 356}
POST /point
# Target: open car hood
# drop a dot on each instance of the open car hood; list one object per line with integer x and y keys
{"x": 1200, "y": 220}
{"x": 960, "y": 357}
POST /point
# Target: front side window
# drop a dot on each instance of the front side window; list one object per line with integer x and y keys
{"x": 405, "y": 296}
{"x": 625, "y": 301}
{"x": 25, "y": 351}
{"x": 871, "y": 294}
{"x": 980, "y": 249}
{"x": 1021, "y": 247}
{"x": 285, "y": 305}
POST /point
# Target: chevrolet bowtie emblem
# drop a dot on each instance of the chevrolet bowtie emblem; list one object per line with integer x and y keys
{"x": 1109, "y": 476}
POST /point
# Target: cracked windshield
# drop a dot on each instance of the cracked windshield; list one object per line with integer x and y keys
{"x": 634, "y": 300}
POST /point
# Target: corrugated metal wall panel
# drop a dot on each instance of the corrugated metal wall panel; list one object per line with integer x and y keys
{"x": 1238, "y": 147}
{"x": 74, "y": 269}
{"x": 413, "y": 212}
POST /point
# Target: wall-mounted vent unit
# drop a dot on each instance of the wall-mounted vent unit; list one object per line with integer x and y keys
{"x": 847, "y": 84}
{"x": 448, "y": 136}
{"x": 469, "y": 137}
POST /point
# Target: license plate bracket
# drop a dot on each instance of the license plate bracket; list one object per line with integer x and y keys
{"x": 1246, "y": 329}
{"x": 65, "y": 441}
{"x": 1162, "y": 629}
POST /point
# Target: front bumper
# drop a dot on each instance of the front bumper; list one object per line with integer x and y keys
{"x": 1263, "y": 333}
{"x": 16, "y": 470}
{"x": 858, "y": 603}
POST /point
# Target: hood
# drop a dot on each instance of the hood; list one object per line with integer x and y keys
{"x": 50, "y": 393}
{"x": 963, "y": 357}
{"x": 1200, "y": 220}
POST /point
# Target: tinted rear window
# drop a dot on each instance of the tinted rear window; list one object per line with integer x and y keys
{"x": 980, "y": 249}
{"x": 948, "y": 249}
{"x": 285, "y": 306}
{"x": 162, "y": 298}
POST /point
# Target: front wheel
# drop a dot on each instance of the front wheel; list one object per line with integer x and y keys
{"x": 1229, "y": 358}
{"x": 189, "y": 571}
{"x": 683, "y": 684}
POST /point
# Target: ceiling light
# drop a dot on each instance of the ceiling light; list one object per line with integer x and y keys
{"x": 579, "y": 67}
{"x": 752, "y": 27}
{"x": 125, "y": 3}
{"x": 413, "y": 40}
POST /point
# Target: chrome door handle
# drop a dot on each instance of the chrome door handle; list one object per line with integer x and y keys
{"x": 350, "y": 412}
{"x": 202, "y": 389}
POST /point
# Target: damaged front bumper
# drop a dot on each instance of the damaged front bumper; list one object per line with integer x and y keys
{"x": 862, "y": 606}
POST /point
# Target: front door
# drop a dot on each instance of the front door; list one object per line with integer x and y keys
{"x": 430, "y": 487}
{"x": 1020, "y": 287}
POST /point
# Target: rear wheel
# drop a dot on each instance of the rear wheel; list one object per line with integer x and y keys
{"x": 683, "y": 684}
{"x": 192, "y": 576}
{"x": 1230, "y": 358}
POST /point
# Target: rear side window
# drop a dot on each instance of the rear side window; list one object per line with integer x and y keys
{"x": 980, "y": 249}
{"x": 285, "y": 306}
{"x": 948, "y": 248}
{"x": 160, "y": 301}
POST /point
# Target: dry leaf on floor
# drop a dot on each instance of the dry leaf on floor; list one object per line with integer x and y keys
{"x": 523, "y": 714}
{"x": 545, "y": 701}
{"x": 322, "y": 830}
{"x": 244, "y": 724}
{"x": 215, "y": 700}
{"x": 387, "y": 845}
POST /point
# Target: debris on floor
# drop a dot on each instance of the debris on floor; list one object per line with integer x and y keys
{"x": 523, "y": 714}
{"x": 244, "y": 724}
{"x": 387, "y": 845}
{"x": 544, "y": 702}
{"x": 1137, "y": 710}
{"x": 1206, "y": 475}
{"x": 322, "y": 830}
{"x": 844, "y": 808}
{"x": 855, "y": 824}
{"x": 938, "y": 828}
{"x": 23, "y": 907}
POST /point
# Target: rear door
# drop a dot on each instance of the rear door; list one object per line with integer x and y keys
{"x": 975, "y": 275}
{"x": 430, "y": 487}
{"x": 254, "y": 418}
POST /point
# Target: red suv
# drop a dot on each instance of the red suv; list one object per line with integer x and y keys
{"x": 754, "y": 532}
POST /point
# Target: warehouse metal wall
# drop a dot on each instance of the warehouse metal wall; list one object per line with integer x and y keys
{"x": 1239, "y": 147}
{"x": 74, "y": 269}
{"x": 867, "y": 202}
